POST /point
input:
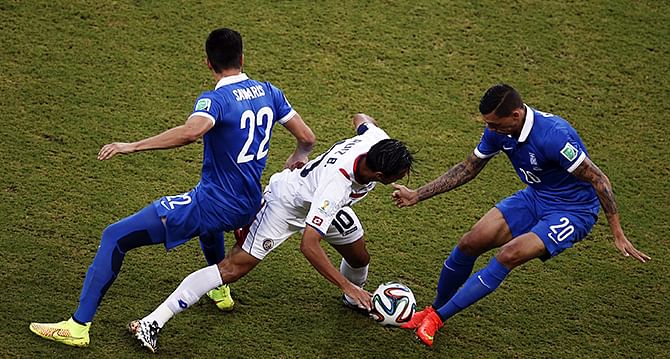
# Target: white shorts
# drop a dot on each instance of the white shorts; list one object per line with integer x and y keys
{"x": 275, "y": 222}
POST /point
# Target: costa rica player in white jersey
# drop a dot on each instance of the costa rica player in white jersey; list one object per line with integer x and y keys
{"x": 315, "y": 200}
{"x": 556, "y": 210}
{"x": 235, "y": 121}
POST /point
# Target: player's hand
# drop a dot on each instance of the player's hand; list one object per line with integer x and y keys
{"x": 110, "y": 150}
{"x": 628, "y": 250}
{"x": 296, "y": 161}
{"x": 403, "y": 196}
{"x": 360, "y": 296}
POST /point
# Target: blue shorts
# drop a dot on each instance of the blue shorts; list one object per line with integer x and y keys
{"x": 192, "y": 214}
{"x": 558, "y": 226}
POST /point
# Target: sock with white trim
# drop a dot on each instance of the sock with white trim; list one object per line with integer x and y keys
{"x": 191, "y": 289}
{"x": 455, "y": 271}
{"x": 475, "y": 288}
{"x": 357, "y": 276}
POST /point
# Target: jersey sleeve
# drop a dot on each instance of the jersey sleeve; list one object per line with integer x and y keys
{"x": 327, "y": 200}
{"x": 488, "y": 145}
{"x": 369, "y": 130}
{"x": 565, "y": 150}
{"x": 284, "y": 109}
{"x": 207, "y": 106}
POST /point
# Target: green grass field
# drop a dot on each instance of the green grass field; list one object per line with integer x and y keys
{"x": 75, "y": 75}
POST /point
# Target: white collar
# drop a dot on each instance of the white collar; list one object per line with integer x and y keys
{"x": 227, "y": 80}
{"x": 527, "y": 125}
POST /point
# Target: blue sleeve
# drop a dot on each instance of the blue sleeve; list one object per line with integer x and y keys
{"x": 564, "y": 149}
{"x": 283, "y": 108}
{"x": 488, "y": 145}
{"x": 362, "y": 128}
{"x": 208, "y": 105}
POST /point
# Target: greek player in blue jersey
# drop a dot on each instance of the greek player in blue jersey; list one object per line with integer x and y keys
{"x": 235, "y": 122}
{"x": 557, "y": 209}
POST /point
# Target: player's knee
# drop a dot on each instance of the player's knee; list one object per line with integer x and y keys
{"x": 109, "y": 236}
{"x": 509, "y": 256}
{"x": 470, "y": 244}
{"x": 359, "y": 259}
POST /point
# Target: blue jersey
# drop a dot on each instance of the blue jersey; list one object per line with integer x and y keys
{"x": 544, "y": 156}
{"x": 243, "y": 112}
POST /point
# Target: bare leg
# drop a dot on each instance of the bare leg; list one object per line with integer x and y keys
{"x": 195, "y": 285}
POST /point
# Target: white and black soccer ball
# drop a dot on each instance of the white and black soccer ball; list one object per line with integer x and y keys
{"x": 393, "y": 304}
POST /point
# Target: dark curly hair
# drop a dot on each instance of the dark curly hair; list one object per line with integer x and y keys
{"x": 390, "y": 157}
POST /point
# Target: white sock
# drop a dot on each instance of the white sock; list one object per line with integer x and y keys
{"x": 358, "y": 276}
{"x": 194, "y": 286}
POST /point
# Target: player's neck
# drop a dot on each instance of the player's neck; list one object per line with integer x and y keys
{"x": 362, "y": 173}
{"x": 517, "y": 133}
{"x": 226, "y": 73}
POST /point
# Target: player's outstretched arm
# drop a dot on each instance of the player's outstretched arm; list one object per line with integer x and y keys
{"x": 310, "y": 247}
{"x": 589, "y": 172}
{"x": 456, "y": 176}
{"x": 305, "y": 141}
{"x": 194, "y": 128}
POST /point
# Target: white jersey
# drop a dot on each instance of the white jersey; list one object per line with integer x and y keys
{"x": 315, "y": 193}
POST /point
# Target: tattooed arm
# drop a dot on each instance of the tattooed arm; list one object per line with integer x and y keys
{"x": 454, "y": 177}
{"x": 589, "y": 172}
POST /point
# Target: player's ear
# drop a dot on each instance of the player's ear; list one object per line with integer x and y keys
{"x": 209, "y": 64}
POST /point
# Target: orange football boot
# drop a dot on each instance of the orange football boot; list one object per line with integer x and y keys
{"x": 417, "y": 318}
{"x": 430, "y": 325}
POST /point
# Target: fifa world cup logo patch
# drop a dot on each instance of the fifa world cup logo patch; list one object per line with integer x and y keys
{"x": 569, "y": 151}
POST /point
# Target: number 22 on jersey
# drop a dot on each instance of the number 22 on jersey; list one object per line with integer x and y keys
{"x": 250, "y": 120}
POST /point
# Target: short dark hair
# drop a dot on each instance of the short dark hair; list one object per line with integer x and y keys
{"x": 501, "y": 99}
{"x": 224, "y": 49}
{"x": 390, "y": 157}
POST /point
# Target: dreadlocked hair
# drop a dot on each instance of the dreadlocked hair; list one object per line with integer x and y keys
{"x": 390, "y": 157}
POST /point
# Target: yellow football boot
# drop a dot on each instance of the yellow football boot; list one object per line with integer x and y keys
{"x": 67, "y": 332}
{"x": 222, "y": 298}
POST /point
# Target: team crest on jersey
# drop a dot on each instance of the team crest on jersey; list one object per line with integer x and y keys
{"x": 203, "y": 104}
{"x": 317, "y": 220}
{"x": 569, "y": 151}
{"x": 268, "y": 244}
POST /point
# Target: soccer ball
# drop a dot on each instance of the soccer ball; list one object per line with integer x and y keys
{"x": 393, "y": 304}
